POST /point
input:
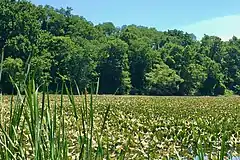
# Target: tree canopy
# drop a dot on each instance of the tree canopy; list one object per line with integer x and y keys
{"x": 53, "y": 43}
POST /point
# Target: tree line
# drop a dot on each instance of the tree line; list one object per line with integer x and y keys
{"x": 53, "y": 44}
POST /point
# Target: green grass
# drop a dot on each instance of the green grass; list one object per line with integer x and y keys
{"x": 42, "y": 126}
{"x": 36, "y": 126}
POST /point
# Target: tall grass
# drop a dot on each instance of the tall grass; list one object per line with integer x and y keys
{"x": 1, "y": 69}
{"x": 35, "y": 128}
{"x": 221, "y": 154}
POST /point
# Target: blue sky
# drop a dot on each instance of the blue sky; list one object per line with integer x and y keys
{"x": 213, "y": 17}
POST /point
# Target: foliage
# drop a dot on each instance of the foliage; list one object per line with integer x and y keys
{"x": 163, "y": 80}
{"x": 114, "y": 75}
{"x": 57, "y": 43}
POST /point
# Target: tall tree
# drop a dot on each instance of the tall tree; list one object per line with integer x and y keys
{"x": 114, "y": 74}
{"x": 163, "y": 81}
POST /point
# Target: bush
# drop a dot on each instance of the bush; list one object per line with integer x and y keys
{"x": 228, "y": 92}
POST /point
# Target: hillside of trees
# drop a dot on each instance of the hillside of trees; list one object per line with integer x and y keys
{"x": 53, "y": 43}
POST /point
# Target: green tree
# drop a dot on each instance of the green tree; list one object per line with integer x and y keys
{"x": 12, "y": 69}
{"x": 140, "y": 63}
{"x": 107, "y": 28}
{"x": 163, "y": 81}
{"x": 114, "y": 74}
{"x": 214, "y": 78}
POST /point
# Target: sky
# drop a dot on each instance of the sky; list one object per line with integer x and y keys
{"x": 213, "y": 17}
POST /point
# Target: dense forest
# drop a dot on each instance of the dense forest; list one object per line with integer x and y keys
{"x": 53, "y": 44}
